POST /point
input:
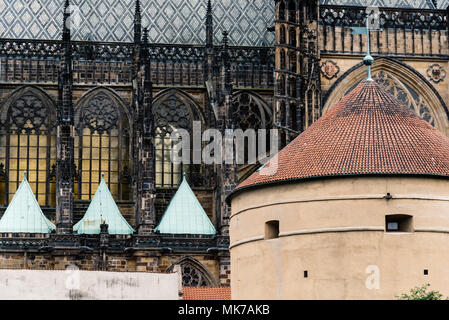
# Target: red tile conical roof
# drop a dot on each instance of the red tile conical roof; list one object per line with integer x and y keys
{"x": 368, "y": 132}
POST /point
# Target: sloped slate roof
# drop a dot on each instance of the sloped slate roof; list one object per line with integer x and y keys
{"x": 368, "y": 132}
{"x": 24, "y": 215}
{"x": 103, "y": 208}
{"x": 185, "y": 215}
{"x": 168, "y": 21}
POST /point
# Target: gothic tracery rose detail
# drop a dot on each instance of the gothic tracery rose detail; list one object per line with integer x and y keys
{"x": 101, "y": 114}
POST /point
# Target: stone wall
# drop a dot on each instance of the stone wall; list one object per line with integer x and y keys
{"x": 79, "y": 285}
{"x": 140, "y": 261}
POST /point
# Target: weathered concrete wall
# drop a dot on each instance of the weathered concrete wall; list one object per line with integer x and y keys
{"x": 95, "y": 285}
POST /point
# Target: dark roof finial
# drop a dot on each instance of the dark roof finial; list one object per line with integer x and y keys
{"x": 145, "y": 35}
{"x": 66, "y": 23}
{"x": 209, "y": 7}
{"x": 137, "y": 23}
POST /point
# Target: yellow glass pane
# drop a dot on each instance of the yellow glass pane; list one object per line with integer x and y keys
{"x": 32, "y": 176}
{"x": 42, "y": 164}
{"x": 85, "y": 188}
{"x": 114, "y": 178}
{"x": 86, "y": 153}
{"x": 114, "y": 166}
{"x": 86, "y": 141}
{"x": 86, "y": 132}
{"x": 52, "y": 194}
{"x": 86, "y": 165}
{"x": 114, "y": 154}
{"x": 95, "y": 153}
{"x": 33, "y": 140}
{"x": 167, "y": 166}
{"x": 95, "y": 141}
{"x": 42, "y": 152}
{"x": 43, "y": 141}
{"x": 22, "y": 164}
{"x": 13, "y": 151}
{"x": 104, "y": 140}
{"x": 158, "y": 155}
{"x": 53, "y": 153}
{"x": 95, "y": 176}
{"x": 13, "y": 140}
{"x": 114, "y": 142}
{"x": 104, "y": 153}
{"x": 167, "y": 179}
{"x": 32, "y": 163}
{"x": 42, "y": 175}
{"x": 12, "y": 185}
{"x": 85, "y": 176}
{"x": 158, "y": 178}
{"x": 12, "y": 164}
{"x": 23, "y": 140}
{"x": 32, "y": 153}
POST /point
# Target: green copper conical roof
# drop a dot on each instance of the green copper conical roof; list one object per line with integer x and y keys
{"x": 185, "y": 215}
{"x": 24, "y": 215}
{"x": 103, "y": 208}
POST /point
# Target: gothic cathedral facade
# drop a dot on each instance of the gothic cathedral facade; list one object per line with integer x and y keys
{"x": 74, "y": 110}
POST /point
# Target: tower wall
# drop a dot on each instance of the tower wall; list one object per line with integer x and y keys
{"x": 333, "y": 242}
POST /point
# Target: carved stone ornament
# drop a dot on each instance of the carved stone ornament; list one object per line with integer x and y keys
{"x": 436, "y": 73}
{"x": 330, "y": 69}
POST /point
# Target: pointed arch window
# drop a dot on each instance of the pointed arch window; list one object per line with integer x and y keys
{"x": 282, "y": 36}
{"x": 292, "y": 11}
{"x": 292, "y": 36}
{"x": 282, "y": 59}
{"x": 102, "y": 145}
{"x": 172, "y": 111}
{"x": 282, "y": 10}
{"x": 251, "y": 112}
{"x": 28, "y": 143}
{"x": 194, "y": 274}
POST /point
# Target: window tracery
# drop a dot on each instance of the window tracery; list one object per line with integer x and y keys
{"x": 249, "y": 112}
{"x": 193, "y": 273}
{"x": 102, "y": 146}
{"x": 172, "y": 112}
{"x": 28, "y": 143}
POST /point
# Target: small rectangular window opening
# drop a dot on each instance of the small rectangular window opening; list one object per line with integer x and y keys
{"x": 306, "y": 274}
{"x": 398, "y": 223}
{"x": 426, "y": 272}
{"x": 271, "y": 229}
